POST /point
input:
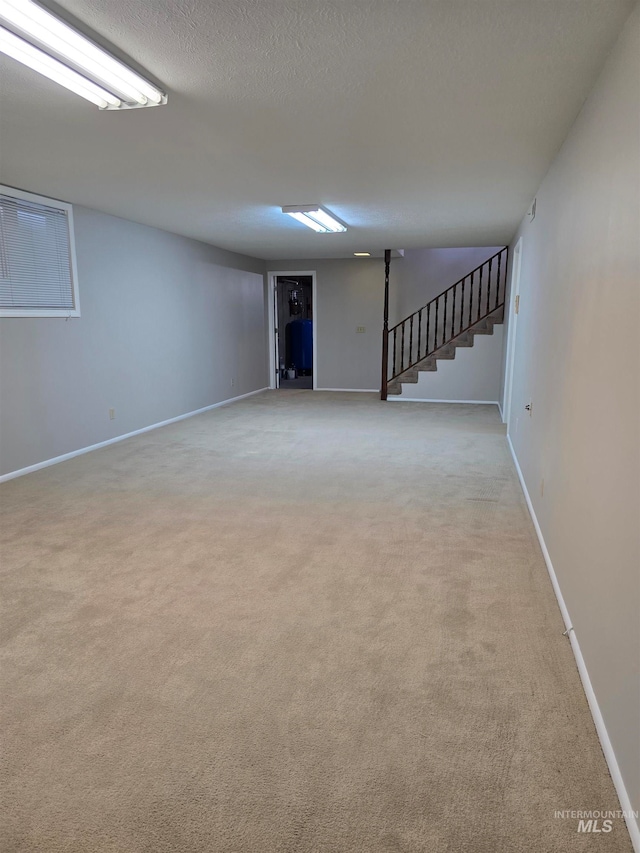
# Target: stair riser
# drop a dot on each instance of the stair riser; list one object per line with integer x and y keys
{"x": 447, "y": 352}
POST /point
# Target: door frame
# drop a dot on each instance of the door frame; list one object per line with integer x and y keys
{"x": 511, "y": 333}
{"x": 272, "y": 275}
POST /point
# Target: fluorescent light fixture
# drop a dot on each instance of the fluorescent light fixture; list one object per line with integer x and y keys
{"x": 362, "y": 254}
{"x": 329, "y": 222}
{"x": 49, "y": 67}
{"x": 316, "y": 217}
{"x": 77, "y": 54}
{"x": 310, "y": 223}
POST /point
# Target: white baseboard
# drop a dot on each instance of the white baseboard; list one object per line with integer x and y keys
{"x": 352, "y": 390}
{"x": 607, "y": 747}
{"x": 423, "y": 400}
{"x": 22, "y": 471}
{"x": 499, "y": 405}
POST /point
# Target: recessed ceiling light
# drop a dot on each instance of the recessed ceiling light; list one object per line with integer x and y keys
{"x": 316, "y": 217}
{"x": 362, "y": 254}
{"x": 72, "y": 59}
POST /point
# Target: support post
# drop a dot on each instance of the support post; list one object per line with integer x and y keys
{"x": 385, "y": 328}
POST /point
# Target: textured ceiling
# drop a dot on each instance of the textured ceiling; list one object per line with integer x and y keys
{"x": 418, "y": 122}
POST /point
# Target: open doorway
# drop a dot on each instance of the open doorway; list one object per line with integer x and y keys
{"x": 292, "y": 347}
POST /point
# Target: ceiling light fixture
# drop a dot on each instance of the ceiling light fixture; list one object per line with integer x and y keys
{"x": 49, "y": 67}
{"x": 72, "y": 57}
{"x": 362, "y": 254}
{"x": 316, "y": 217}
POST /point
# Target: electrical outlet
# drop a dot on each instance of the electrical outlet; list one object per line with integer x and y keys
{"x": 529, "y": 408}
{"x": 112, "y": 414}
{"x": 233, "y": 382}
{"x": 361, "y": 330}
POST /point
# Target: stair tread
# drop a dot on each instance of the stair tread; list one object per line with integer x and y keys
{"x": 447, "y": 352}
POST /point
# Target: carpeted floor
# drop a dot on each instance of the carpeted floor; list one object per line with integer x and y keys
{"x": 303, "y": 622}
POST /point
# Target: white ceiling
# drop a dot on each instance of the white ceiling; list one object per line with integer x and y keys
{"x": 418, "y": 122}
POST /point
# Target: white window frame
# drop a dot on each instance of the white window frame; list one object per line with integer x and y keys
{"x": 68, "y": 209}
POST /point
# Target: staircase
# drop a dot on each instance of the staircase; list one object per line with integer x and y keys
{"x": 472, "y": 306}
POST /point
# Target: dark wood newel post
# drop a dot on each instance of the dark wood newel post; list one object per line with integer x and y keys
{"x": 385, "y": 327}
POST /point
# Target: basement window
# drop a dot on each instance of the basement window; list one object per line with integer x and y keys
{"x": 37, "y": 257}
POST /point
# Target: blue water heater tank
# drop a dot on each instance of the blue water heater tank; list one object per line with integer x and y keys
{"x": 301, "y": 344}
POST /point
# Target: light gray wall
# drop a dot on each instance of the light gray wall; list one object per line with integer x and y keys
{"x": 474, "y": 374}
{"x": 577, "y": 359}
{"x": 424, "y": 273}
{"x": 166, "y": 323}
{"x": 350, "y": 293}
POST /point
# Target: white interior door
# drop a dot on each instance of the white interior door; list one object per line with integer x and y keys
{"x": 514, "y": 309}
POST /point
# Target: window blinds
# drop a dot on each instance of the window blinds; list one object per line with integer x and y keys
{"x": 35, "y": 257}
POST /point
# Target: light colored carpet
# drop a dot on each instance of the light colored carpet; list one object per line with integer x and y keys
{"x": 304, "y": 622}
